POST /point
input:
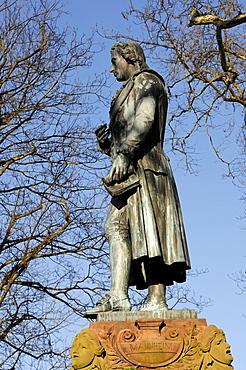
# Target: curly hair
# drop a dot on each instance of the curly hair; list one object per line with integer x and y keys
{"x": 92, "y": 339}
{"x": 208, "y": 336}
{"x": 131, "y": 52}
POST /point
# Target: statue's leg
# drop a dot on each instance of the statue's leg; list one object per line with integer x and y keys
{"x": 117, "y": 232}
{"x": 157, "y": 293}
{"x": 156, "y": 298}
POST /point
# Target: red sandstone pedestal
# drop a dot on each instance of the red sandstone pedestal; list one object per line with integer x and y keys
{"x": 153, "y": 343}
{"x": 150, "y": 343}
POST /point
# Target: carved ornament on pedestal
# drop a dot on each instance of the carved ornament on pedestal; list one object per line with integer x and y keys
{"x": 157, "y": 344}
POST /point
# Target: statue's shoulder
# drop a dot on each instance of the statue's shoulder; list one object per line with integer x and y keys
{"x": 150, "y": 82}
{"x": 149, "y": 75}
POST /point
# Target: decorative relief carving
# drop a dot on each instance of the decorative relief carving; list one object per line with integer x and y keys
{"x": 151, "y": 344}
{"x": 151, "y": 347}
{"x": 215, "y": 351}
{"x": 87, "y": 352}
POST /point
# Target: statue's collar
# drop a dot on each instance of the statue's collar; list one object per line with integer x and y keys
{"x": 125, "y": 89}
{"x": 131, "y": 80}
{"x": 121, "y": 95}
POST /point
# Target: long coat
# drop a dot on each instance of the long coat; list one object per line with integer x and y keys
{"x": 137, "y": 124}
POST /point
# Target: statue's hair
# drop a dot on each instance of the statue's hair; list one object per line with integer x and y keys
{"x": 131, "y": 52}
{"x": 91, "y": 338}
{"x": 208, "y": 337}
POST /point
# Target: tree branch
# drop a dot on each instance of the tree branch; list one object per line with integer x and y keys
{"x": 201, "y": 19}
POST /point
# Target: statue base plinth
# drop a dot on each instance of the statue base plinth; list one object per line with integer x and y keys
{"x": 135, "y": 315}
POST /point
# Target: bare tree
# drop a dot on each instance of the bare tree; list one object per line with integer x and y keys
{"x": 50, "y": 203}
{"x": 199, "y": 47}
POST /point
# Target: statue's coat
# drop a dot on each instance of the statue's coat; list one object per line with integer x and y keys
{"x": 138, "y": 117}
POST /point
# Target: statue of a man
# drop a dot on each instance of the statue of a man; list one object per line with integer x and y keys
{"x": 144, "y": 226}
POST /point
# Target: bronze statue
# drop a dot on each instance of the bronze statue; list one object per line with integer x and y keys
{"x": 144, "y": 226}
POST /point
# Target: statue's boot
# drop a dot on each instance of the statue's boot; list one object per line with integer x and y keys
{"x": 155, "y": 299}
{"x": 120, "y": 261}
{"x": 109, "y": 303}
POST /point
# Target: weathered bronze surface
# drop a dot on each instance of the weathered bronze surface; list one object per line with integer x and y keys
{"x": 144, "y": 226}
{"x": 185, "y": 344}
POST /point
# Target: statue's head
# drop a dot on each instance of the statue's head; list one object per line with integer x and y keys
{"x": 214, "y": 342}
{"x": 85, "y": 348}
{"x": 127, "y": 58}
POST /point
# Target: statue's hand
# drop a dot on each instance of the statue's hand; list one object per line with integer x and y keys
{"x": 119, "y": 169}
{"x": 102, "y": 134}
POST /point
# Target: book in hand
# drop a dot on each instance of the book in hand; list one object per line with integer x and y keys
{"x": 116, "y": 188}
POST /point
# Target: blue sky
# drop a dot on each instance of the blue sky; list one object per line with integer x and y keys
{"x": 211, "y": 205}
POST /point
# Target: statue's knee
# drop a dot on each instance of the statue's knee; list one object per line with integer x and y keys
{"x": 111, "y": 227}
{"x": 108, "y": 229}
{"x": 116, "y": 229}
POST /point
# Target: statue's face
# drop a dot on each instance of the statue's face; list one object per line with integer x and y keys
{"x": 120, "y": 68}
{"x": 220, "y": 349}
{"x": 81, "y": 353}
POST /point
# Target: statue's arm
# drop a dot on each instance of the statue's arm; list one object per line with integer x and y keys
{"x": 147, "y": 92}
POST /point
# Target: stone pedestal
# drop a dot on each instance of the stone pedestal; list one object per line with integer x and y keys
{"x": 177, "y": 340}
{"x": 135, "y": 315}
